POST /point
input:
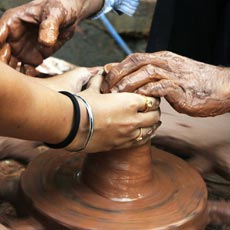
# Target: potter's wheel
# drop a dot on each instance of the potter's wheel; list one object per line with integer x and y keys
{"x": 162, "y": 193}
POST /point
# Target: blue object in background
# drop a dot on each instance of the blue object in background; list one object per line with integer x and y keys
{"x": 115, "y": 34}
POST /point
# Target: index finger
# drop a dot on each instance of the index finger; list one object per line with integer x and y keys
{"x": 52, "y": 18}
{"x": 5, "y": 53}
{"x": 4, "y": 31}
{"x": 130, "y": 64}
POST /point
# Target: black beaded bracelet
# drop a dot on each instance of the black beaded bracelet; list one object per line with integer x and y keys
{"x": 75, "y": 126}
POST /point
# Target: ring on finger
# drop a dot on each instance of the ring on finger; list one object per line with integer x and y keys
{"x": 140, "y": 137}
{"x": 148, "y": 104}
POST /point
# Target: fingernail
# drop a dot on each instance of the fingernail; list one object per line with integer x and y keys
{"x": 159, "y": 124}
{"x": 96, "y": 71}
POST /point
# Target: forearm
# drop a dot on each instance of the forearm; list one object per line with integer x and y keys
{"x": 88, "y": 8}
{"x": 32, "y": 111}
{"x": 56, "y": 83}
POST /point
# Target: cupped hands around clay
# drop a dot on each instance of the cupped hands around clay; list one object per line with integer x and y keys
{"x": 119, "y": 119}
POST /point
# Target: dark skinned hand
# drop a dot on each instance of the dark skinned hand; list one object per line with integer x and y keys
{"x": 191, "y": 87}
{"x": 33, "y": 31}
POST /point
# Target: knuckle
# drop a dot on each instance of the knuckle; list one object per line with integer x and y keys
{"x": 150, "y": 69}
{"x": 131, "y": 103}
{"x": 112, "y": 74}
{"x": 134, "y": 58}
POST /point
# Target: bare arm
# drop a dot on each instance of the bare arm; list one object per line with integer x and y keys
{"x": 34, "y": 112}
{"x": 27, "y": 108}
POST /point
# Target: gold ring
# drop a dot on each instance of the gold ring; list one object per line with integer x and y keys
{"x": 139, "y": 138}
{"x": 148, "y": 104}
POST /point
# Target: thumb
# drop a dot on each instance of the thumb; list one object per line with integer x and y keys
{"x": 5, "y": 53}
{"x": 4, "y": 32}
{"x": 50, "y": 25}
{"x": 95, "y": 82}
{"x": 48, "y": 32}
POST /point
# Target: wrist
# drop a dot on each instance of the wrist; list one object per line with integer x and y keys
{"x": 73, "y": 130}
{"x": 78, "y": 141}
{"x": 127, "y": 7}
{"x": 76, "y": 137}
{"x": 86, "y": 127}
{"x": 64, "y": 122}
{"x": 89, "y": 8}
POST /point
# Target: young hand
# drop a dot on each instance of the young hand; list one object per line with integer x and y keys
{"x": 121, "y": 119}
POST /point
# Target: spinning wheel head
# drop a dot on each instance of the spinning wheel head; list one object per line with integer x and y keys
{"x": 62, "y": 191}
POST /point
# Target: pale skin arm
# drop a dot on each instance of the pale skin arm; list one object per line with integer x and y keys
{"x": 71, "y": 81}
{"x": 27, "y": 108}
{"x": 34, "y": 112}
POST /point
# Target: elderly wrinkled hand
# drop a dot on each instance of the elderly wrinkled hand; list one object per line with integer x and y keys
{"x": 191, "y": 87}
{"x": 20, "y": 149}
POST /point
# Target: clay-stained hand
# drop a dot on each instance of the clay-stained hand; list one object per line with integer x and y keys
{"x": 120, "y": 118}
{"x": 191, "y": 87}
{"x": 33, "y": 31}
{"x": 13, "y": 148}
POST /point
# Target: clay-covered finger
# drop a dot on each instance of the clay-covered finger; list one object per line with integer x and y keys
{"x": 5, "y": 53}
{"x": 146, "y": 74}
{"x": 4, "y": 31}
{"x": 30, "y": 71}
{"x": 49, "y": 29}
{"x": 13, "y": 62}
{"x": 109, "y": 66}
{"x": 26, "y": 57}
{"x": 132, "y": 63}
{"x": 48, "y": 50}
{"x": 127, "y": 66}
